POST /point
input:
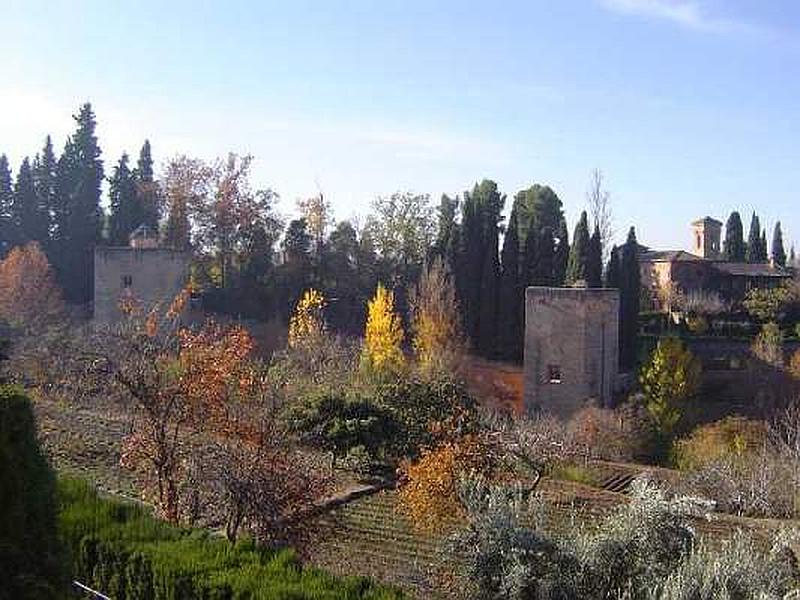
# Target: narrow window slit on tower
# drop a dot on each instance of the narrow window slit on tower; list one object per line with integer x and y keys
{"x": 127, "y": 281}
{"x": 553, "y": 374}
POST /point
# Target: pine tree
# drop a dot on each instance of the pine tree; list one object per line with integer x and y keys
{"x": 753, "y": 253}
{"x": 579, "y": 253}
{"x": 78, "y": 216}
{"x": 594, "y": 260}
{"x": 778, "y": 252}
{"x": 147, "y": 193}
{"x": 7, "y": 232}
{"x": 630, "y": 291}
{"x": 44, "y": 179}
{"x": 126, "y": 210}
{"x": 734, "y": 247}
{"x": 24, "y": 209}
{"x": 511, "y": 295}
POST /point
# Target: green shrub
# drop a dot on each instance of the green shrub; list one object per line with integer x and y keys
{"x": 30, "y": 558}
{"x": 730, "y": 437}
{"x": 120, "y": 550}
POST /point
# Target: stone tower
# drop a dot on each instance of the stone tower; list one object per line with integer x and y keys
{"x": 142, "y": 271}
{"x": 706, "y": 235}
{"x": 571, "y": 348}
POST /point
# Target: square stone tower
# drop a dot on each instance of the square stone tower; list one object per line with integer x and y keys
{"x": 142, "y": 270}
{"x": 571, "y": 348}
{"x": 706, "y": 236}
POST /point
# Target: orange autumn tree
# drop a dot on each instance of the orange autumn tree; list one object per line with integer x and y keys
{"x": 428, "y": 495}
{"x": 28, "y": 290}
{"x": 179, "y": 384}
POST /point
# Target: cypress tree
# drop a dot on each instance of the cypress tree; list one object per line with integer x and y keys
{"x": 778, "y": 252}
{"x": 512, "y": 297}
{"x": 753, "y": 253}
{"x": 44, "y": 179}
{"x": 24, "y": 209}
{"x": 487, "y": 325}
{"x": 78, "y": 216}
{"x": 541, "y": 261}
{"x": 7, "y": 233}
{"x": 127, "y": 212}
{"x": 763, "y": 249}
{"x": 469, "y": 267}
{"x": 630, "y": 290}
{"x": 579, "y": 252}
{"x": 479, "y": 264}
{"x": 612, "y": 274}
{"x": 538, "y": 207}
{"x": 445, "y": 246}
{"x": 562, "y": 250}
{"x": 594, "y": 264}
{"x": 147, "y": 194}
{"x": 792, "y": 257}
{"x": 734, "y": 248}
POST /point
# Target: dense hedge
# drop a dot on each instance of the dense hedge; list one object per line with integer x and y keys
{"x": 120, "y": 550}
{"x": 30, "y": 558}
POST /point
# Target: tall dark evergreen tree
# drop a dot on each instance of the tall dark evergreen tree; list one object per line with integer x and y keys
{"x": 126, "y": 209}
{"x": 753, "y": 253}
{"x": 594, "y": 260}
{"x": 561, "y": 257}
{"x": 479, "y": 265}
{"x": 612, "y": 277}
{"x": 511, "y": 318}
{"x": 24, "y": 209}
{"x": 540, "y": 258}
{"x": 44, "y": 179}
{"x": 630, "y": 298}
{"x": 763, "y": 249}
{"x": 147, "y": 193}
{"x": 734, "y": 247}
{"x": 579, "y": 252}
{"x": 7, "y": 232}
{"x": 78, "y": 216}
{"x": 792, "y": 257}
{"x": 446, "y": 245}
{"x": 778, "y": 251}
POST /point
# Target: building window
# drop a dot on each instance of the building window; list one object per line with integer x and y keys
{"x": 127, "y": 281}
{"x": 553, "y": 374}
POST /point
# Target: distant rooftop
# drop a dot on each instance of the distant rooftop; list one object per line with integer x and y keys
{"x": 706, "y": 220}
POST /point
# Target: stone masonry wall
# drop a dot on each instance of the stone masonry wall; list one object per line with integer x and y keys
{"x": 571, "y": 348}
{"x": 153, "y": 275}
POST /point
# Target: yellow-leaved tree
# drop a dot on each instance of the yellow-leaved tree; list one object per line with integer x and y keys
{"x": 438, "y": 337}
{"x": 383, "y": 336}
{"x": 307, "y": 323}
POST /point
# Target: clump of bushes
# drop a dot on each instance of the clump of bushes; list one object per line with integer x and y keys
{"x": 731, "y": 437}
{"x": 119, "y": 549}
{"x": 646, "y": 549}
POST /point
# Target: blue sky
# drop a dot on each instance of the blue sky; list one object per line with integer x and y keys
{"x": 689, "y": 107}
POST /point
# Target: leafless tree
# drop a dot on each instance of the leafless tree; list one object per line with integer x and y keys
{"x": 599, "y": 201}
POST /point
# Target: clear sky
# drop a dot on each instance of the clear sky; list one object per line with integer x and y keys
{"x": 690, "y": 107}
